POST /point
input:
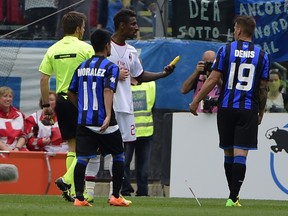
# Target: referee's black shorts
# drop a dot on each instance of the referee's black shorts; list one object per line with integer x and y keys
{"x": 237, "y": 129}
{"x": 67, "y": 115}
{"x": 88, "y": 143}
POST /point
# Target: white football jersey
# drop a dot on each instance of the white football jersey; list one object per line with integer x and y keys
{"x": 125, "y": 56}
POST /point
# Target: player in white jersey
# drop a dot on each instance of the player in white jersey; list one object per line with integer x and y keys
{"x": 126, "y": 57}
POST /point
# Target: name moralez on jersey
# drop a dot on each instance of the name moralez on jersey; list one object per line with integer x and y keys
{"x": 245, "y": 54}
{"x": 91, "y": 72}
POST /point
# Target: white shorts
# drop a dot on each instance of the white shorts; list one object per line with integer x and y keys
{"x": 126, "y": 125}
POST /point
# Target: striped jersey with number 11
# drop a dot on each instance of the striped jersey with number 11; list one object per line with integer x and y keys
{"x": 242, "y": 65}
{"x": 89, "y": 81}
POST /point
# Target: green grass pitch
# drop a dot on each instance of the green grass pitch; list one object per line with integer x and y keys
{"x": 34, "y": 205}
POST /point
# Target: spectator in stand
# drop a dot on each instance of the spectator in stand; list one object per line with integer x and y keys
{"x": 102, "y": 14}
{"x": 44, "y": 134}
{"x": 113, "y": 7}
{"x": 145, "y": 5}
{"x": 12, "y": 134}
{"x": 74, "y": 5}
{"x": 106, "y": 11}
{"x": 93, "y": 13}
{"x": 36, "y": 10}
{"x": 276, "y": 100}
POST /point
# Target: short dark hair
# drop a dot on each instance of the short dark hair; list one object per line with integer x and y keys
{"x": 99, "y": 38}
{"x": 123, "y": 16}
{"x": 276, "y": 72}
{"x": 72, "y": 20}
{"x": 246, "y": 23}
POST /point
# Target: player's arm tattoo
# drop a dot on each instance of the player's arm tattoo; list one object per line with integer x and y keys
{"x": 263, "y": 91}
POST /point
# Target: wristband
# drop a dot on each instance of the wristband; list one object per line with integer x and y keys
{"x": 46, "y": 105}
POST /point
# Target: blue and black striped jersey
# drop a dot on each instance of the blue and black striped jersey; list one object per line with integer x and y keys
{"x": 242, "y": 65}
{"x": 89, "y": 81}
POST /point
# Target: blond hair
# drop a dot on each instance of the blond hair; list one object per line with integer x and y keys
{"x": 4, "y": 90}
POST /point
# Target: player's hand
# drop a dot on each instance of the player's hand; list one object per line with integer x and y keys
{"x": 260, "y": 117}
{"x": 168, "y": 70}
{"x": 105, "y": 124}
{"x": 193, "y": 107}
{"x": 124, "y": 74}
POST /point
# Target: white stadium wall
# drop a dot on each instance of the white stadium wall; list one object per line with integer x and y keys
{"x": 197, "y": 161}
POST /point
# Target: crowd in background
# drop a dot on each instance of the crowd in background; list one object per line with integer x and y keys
{"x": 28, "y": 133}
{"x": 42, "y": 18}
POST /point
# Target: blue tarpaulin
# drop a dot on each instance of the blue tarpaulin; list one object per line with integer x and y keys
{"x": 158, "y": 53}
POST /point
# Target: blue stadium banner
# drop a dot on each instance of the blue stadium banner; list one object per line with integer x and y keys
{"x": 213, "y": 20}
{"x": 272, "y": 25}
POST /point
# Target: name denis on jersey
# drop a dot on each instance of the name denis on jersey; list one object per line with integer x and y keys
{"x": 245, "y": 54}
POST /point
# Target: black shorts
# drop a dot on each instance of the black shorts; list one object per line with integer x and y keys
{"x": 88, "y": 143}
{"x": 67, "y": 115}
{"x": 237, "y": 129}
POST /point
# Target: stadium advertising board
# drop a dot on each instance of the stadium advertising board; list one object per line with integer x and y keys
{"x": 197, "y": 161}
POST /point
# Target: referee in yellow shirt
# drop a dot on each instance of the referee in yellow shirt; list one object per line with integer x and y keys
{"x": 61, "y": 59}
